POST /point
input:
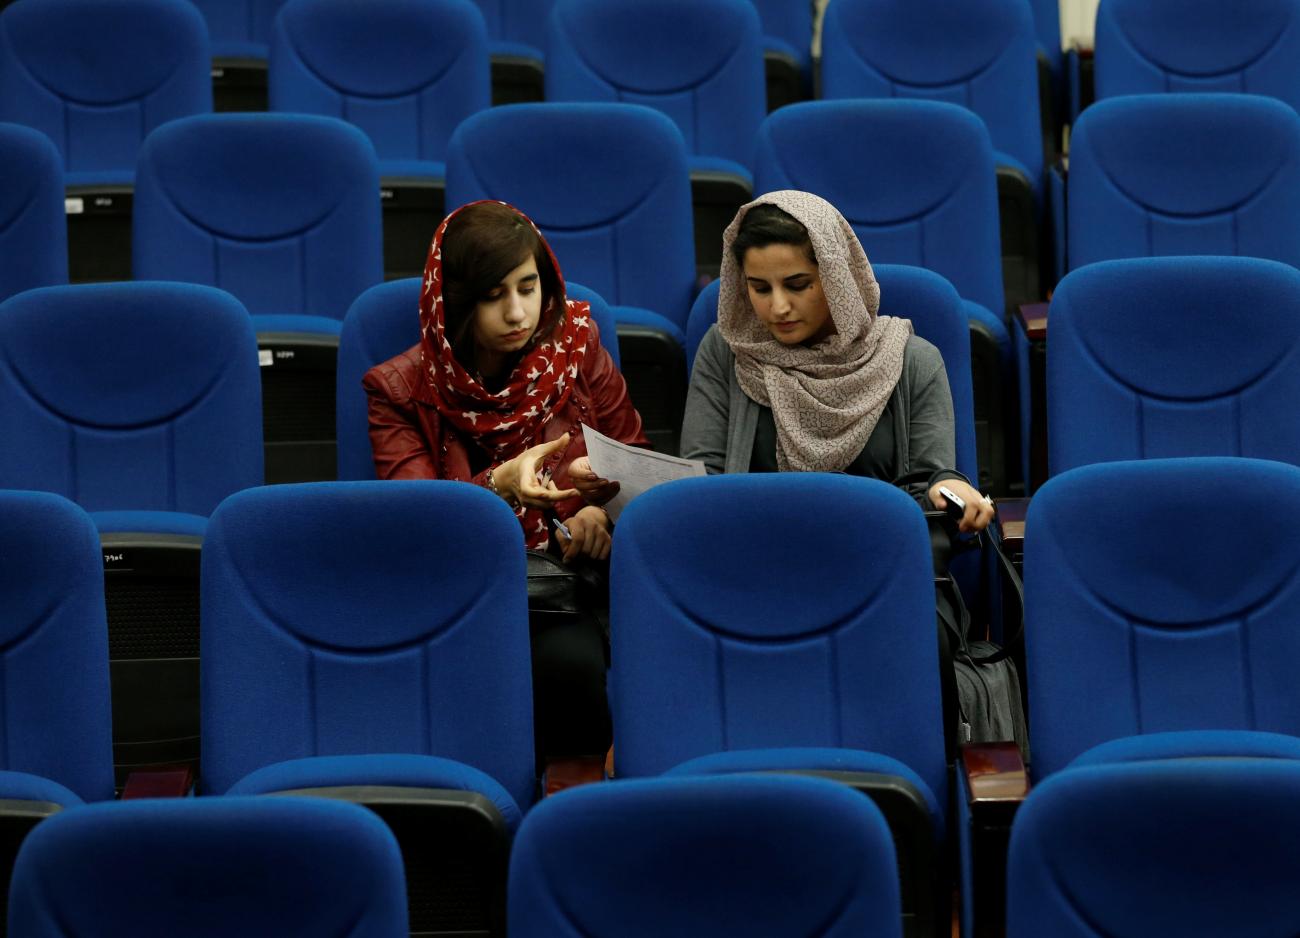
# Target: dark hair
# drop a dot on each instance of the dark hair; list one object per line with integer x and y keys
{"x": 766, "y": 224}
{"x": 481, "y": 245}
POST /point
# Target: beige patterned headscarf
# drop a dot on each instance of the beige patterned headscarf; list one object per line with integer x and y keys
{"x": 826, "y": 398}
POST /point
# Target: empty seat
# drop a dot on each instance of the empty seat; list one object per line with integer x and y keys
{"x": 787, "y": 50}
{"x": 516, "y": 34}
{"x": 210, "y": 867}
{"x": 241, "y": 35}
{"x": 397, "y": 677}
{"x": 694, "y": 857}
{"x": 33, "y": 234}
{"x": 404, "y": 71}
{"x": 96, "y": 77}
{"x": 281, "y": 211}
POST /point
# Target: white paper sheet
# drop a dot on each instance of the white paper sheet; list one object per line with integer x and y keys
{"x": 633, "y": 468}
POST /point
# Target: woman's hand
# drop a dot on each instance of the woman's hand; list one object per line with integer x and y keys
{"x": 591, "y": 536}
{"x": 979, "y": 510}
{"x": 593, "y": 489}
{"x": 517, "y": 480}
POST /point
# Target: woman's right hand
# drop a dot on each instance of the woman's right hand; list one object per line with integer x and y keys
{"x": 517, "y": 480}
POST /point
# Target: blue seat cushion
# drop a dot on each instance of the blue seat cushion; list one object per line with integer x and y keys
{"x": 398, "y": 770}
{"x": 100, "y": 177}
{"x": 995, "y": 323}
{"x": 239, "y": 49}
{"x": 296, "y": 322}
{"x": 431, "y": 170}
{"x": 520, "y": 50}
{"x": 815, "y": 759}
{"x": 718, "y": 164}
{"x": 1184, "y": 744}
{"x": 149, "y": 522}
{"x": 21, "y": 786}
{"x": 635, "y": 315}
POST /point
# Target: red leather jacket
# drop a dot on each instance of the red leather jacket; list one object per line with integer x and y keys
{"x": 406, "y": 428}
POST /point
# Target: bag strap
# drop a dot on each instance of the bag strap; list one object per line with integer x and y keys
{"x": 1017, "y": 640}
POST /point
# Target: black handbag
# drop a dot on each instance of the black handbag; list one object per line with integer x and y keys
{"x": 560, "y": 593}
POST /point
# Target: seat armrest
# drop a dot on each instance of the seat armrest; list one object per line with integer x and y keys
{"x": 1057, "y": 194}
{"x": 177, "y": 782}
{"x": 1032, "y": 320}
{"x": 570, "y": 773}
{"x": 1079, "y": 74}
{"x": 993, "y": 782}
{"x": 1011, "y": 520}
{"x": 996, "y": 778}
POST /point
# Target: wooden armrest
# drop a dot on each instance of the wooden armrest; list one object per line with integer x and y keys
{"x": 1032, "y": 318}
{"x": 569, "y": 773}
{"x": 995, "y": 774}
{"x": 1011, "y": 519}
{"x": 159, "y": 783}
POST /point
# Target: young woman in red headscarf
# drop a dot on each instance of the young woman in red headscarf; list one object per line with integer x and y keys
{"x": 506, "y": 372}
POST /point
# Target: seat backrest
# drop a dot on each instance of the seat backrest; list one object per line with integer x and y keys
{"x": 209, "y": 867}
{"x": 239, "y": 21}
{"x": 346, "y": 618}
{"x": 516, "y": 20}
{"x": 1174, "y": 356}
{"x": 980, "y": 54}
{"x": 923, "y": 192}
{"x": 1160, "y": 597}
{"x": 96, "y": 76}
{"x": 54, "y": 649}
{"x": 1156, "y": 46}
{"x": 383, "y": 322}
{"x": 404, "y": 71}
{"x": 790, "y": 21}
{"x": 779, "y": 645}
{"x": 282, "y": 210}
{"x": 33, "y": 226}
{"x": 1185, "y": 174}
{"x": 135, "y": 395}
{"x": 705, "y": 856}
{"x": 1047, "y": 24}
{"x": 1186, "y": 847}
{"x": 606, "y": 183}
{"x": 700, "y": 62}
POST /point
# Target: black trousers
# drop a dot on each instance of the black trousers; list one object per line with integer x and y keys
{"x": 570, "y": 708}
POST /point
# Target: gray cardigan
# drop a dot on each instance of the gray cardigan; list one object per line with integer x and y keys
{"x": 721, "y": 419}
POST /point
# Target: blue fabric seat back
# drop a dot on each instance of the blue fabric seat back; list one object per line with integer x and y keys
{"x": 282, "y": 210}
{"x": 54, "y": 662}
{"x": 1174, "y": 356}
{"x": 404, "y": 71}
{"x": 1157, "y": 46}
{"x": 33, "y": 226}
{"x": 516, "y": 21}
{"x": 979, "y": 54}
{"x": 209, "y": 867}
{"x": 1193, "y": 847}
{"x": 1185, "y": 174}
{"x": 790, "y": 22}
{"x": 383, "y": 322}
{"x": 1047, "y": 24}
{"x": 1160, "y": 597}
{"x": 698, "y": 61}
{"x": 922, "y": 193}
{"x": 755, "y": 855}
{"x": 141, "y": 396}
{"x": 346, "y": 618}
{"x": 739, "y": 640}
{"x": 239, "y": 27}
{"x": 606, "y": 183}
{"x": 96, "y": 76}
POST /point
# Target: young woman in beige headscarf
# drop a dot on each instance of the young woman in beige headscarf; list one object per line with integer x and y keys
{"x": 801, "y": 374}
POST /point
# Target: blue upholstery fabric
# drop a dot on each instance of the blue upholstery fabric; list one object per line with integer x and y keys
{"x": 53, "y": 651}
{"x": 281, "y": 210}
{"x": 208, "y": 868}
{"x": 1047, "y": 25}
{"x": 1184, "y": 174}
{"x": 1133, "y": 372}
{"x": 96, "y": 76}
{"x": 923, "y": 192}
{"x": 141, "y": 396}
{"x": 239, "y": 28}
{"x": 606, "y": 183}
{"x": 980, "y": 54}
{"x": 34, "y": 228}
{"x": 20, "y": 786}
{"x": 787, "y": 27}
{"x": 293, "y": 322}
{"x": 1244, "y": 744}
{"x": 516, "y": 23}
{"x": 351, "y": 618}
{"x": 760, "y": 856}
{"x": 809, "y": 759}
{"x": 1200, "y": 848}
{"x": 404, "y": 71}
{"x": 700, "y": 62}
{"x": 1156, "y": 46}
{"x": 1137, "y": 623}
{"x": 721, "y": 642}
{"x": 149, "y": 522}
{"x": 383, "y": 322}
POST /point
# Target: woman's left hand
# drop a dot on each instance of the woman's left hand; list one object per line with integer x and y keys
{"x": 593, "y": 489}
{"x": 979, "y": 509}
{"x": 591, "y": 535}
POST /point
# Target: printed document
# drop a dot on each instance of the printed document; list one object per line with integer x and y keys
{"x": 633, "y": 468}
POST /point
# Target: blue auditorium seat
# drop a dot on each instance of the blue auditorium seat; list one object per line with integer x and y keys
{"x": 700, "y": 62}
{"x": 730, "y": 658}
{"x": 33, "y": 235}
{"x": 787, "y": 50}
{"x": 140, "y": 402}
{"x": 1196, "y": 847}
{"x": 609, "y": 187}
{"x": 210, "y": 868}
{"x": 282, "y": 211}
{"x": 241, "y": 36}
{"x": 1158, "y": 46}
{"x": 96, "y": 77}
{"x": 516, "y": 32}
{"x": 762, "y": 856}
{"x": 369, "y": 641}
{"x": 404, "y": 71}
{"x": 923, "y": 193}
{"x": 383, "y": 322}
